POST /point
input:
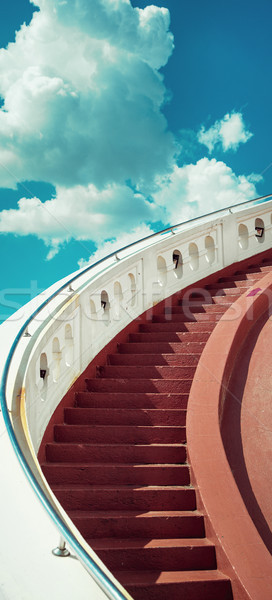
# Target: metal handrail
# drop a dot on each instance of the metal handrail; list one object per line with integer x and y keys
{"x": 98, "y": 574}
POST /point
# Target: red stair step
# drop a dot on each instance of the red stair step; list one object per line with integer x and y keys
{"x": 154, "y": 359}
{"x": 197, "y": 310}
{"x": 131, "y": 453}
{"x": 176, "y": 585}
{"x": 119, "y": 434}
{"x": 227, "y": 291}
{"x": 228, "y": 299}
{"x": 169, "y": 386}
{"x": 176, "y": 326}
{"x": 242, "y": 277}
{"x": 164, "y": 336}
{"x": 124, "y": 497}
{"x": 131, "y": 400}
{"x": 118, "y": 416}
{"x": 185, "y": 347}
{"x": 147, "y": 372}
{"x": 157, "y": 554}
{"x": 230, "y": 285}
{"x": 179, "y": 317}
{"x": 113, "y": 474}
{"x": 153, "y": 524}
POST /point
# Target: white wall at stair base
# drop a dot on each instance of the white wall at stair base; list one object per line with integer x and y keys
{"x": 28, "y": 569}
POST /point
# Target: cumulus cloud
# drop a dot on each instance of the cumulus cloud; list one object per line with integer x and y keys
{"x": 81, "y": 89}
{"x": 201, "y": 188}
{"x": 82, "y": 109}
{"x": 82, "y": 213}
{"x": 228, "y": 133}
{"x": 106, "y": 248}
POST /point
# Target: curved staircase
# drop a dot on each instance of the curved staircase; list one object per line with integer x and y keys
{"x": 118, "y": 462}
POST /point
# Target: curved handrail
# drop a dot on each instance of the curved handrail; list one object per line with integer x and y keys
{"x": 100, "y": 577}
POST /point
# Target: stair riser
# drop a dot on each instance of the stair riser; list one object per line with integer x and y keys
{"x": 229, "y": 286}
{"x": 121, "y": 453}
{"x": 194, "y": 319}
{"x": 210, "y": 301}
{"x": 184, "y": 347}
{"x": 117, "y": 475}
{"x": 148, "y": 372}
{"x": 196, "y": 326}
{"x": 169, "y": 386}
{"x": 117, "y": 435}
{"x": 228, "y": 291}
{"x": 180, "y": 360}
{"x": 117, "y": 416}
{"x": 191, "y": 590}
{"x": 163, "y": 336}
{"x": 252, "y": 277}
{"x": 190, "y": 312}
{"x": 167, "y": 559}
{"x": 130, "y": 400}
{"x": 149, "y": 527}
{"x": 146, "y": 499}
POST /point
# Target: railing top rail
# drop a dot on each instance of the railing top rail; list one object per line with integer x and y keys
{"x": 105, "y": 583}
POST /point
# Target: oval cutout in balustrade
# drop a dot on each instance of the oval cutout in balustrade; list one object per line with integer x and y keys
{"x": 161, "y": 271}
{"x": 259, "y": 231}
{"x": 243, "y": 236}
{"x": 178, "y": 264}
{"x": 193, "y": 256}
{"x": 56, "y": 355}
{"x": 132, "y": 284}
{"x": 210, "y": 249}
{"x": 118, "y": 297}
{"x": 69, "y": 345}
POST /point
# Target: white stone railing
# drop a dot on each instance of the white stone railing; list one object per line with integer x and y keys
{"x": 71, "y": 326}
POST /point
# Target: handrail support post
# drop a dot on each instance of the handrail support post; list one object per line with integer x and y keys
{"x": 61, "y": 549}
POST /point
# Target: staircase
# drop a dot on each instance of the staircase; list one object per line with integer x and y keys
{"x": 118, "y": 462}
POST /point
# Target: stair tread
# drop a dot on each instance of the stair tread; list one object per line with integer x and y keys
{"x": 139, "y": 578}
{"x": 87, "y": 514}
{"x": 102, "y": 445}
{"x": 128, "y": 409}
{"x": 80, "y": 486}
{"x": 166, "y": 355}
{"x": 129, "y": 379}
{"x": 142, "y": 543}
{"x": 82, "y": 465}
{"x": 94, "y": 426}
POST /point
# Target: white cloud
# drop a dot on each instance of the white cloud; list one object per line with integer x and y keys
{"x": 201, "y": 188}
{"x": 82, "y": 213}
{"x": 86, "y": 213}
{"x": 106, "y": 248}
{"x": 81, "y": 89}
{"x": 229, "y": 133}
{"x": 82, "y": 110}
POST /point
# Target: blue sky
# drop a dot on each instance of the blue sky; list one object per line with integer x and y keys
{"x": 118, "y": 118}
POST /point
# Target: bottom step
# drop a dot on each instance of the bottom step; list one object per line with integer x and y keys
{"x": 177, "y": 585}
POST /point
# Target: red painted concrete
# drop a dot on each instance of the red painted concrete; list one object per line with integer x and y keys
{"x": 241, "y": 550}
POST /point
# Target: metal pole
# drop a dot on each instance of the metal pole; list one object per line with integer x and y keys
{"x": 61, "y": 549}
